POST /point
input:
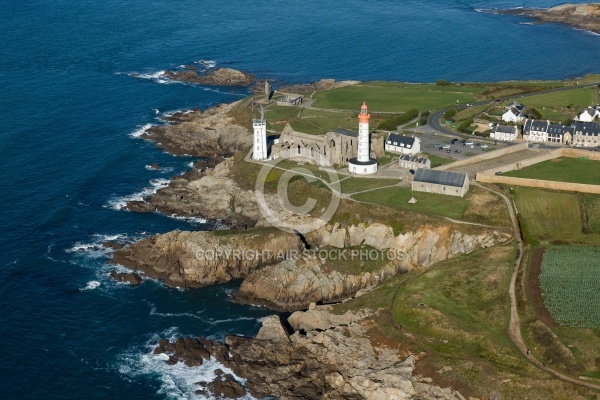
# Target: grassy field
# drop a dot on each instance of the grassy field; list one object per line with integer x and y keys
{"x": 554, "y": 217}
{"x": 562, "y": 169}
{"x": 395, "y": 97}
{"x": 437, "y": 161}
{"x": 576, "y": 97}
{"x": 427, "y": 203}
{"x": 352, "y": 185}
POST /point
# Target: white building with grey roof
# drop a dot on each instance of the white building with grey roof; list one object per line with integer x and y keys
{"x": 507, "y": 133}
{"x": 396, "y": 143}
{"x": 440, "y": 182}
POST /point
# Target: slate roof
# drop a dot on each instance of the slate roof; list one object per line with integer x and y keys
{"x": 440, "y": 177}
{"x": 346, "y": 132}
{"x": 505, "y": 129}
{"x": 416, "y": 159}
{"x": 408, "y": 141}
{"x": 535, "y": 125}
{"x": 585, "y": 128}
{"x": 556, "y": 130}
{"x": 520, "y": 107}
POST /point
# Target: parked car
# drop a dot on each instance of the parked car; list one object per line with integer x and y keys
{"x": 457, "y": 151}
{"x": 439, "y": 146}
{"x": 469, "y": 143}
{"x": 446, "y": 146}
{"x": 498, "y": 173}
{"x": 463, "y": 141}
{"x": 453, "y": 141}
{"x": 448, "y": 151}
{"x": 484, "y": 146}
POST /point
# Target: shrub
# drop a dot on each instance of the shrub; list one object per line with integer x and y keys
{"x": 443, "y": 82}
{"x": 391, "y": 124}
{"x": 424, "y": 118}
{"x": 449, "y": 114}
{"x": 465, "y": 126}
{"x": 484, "y": 134}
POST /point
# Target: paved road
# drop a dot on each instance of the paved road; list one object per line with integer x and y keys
{"x": 435, "y": 120}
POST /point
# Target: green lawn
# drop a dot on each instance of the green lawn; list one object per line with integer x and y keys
{"x": 548, "y": 216}
{"x": 352, "y": 185}
{"x": 562, "y": 169}
{"x": 437, "y": 161}
{"x": 577, "y": 97}
{"x": 427, "y": 203}
{"x": 395, "y": 97}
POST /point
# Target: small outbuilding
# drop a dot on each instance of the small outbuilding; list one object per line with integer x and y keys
{"x": 440, "y": 182}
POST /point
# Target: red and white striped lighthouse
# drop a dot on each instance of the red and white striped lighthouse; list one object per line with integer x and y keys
{"x": 363, "y": 164}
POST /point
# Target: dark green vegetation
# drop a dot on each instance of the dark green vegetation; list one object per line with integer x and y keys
{"x": 570, "y": 280}
{"x": 392, "y": 124}
{"x": 562, "y": 169}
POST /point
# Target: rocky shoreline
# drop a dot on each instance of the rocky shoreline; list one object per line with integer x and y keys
{"x": 580, "y": 16}
{"x": 312, "y": 354}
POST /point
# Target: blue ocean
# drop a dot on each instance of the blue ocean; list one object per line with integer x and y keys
{"x": 80, "y": 79}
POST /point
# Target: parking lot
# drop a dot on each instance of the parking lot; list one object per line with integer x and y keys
{"x": 430, "y": 140}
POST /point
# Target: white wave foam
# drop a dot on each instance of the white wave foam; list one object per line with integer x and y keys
{"x": 155, "y": 312}
{"x": 176, "y": 381}
{"x": 140, "y": 130}
{"x": 91, "y": 285}
{"x": 525, "y": 23}
{"x": 158, "y": 77}
{"x": 121, "y": 202}
{"x": 589, "y": 32}
{"x": 191, "y": 220}
{"x": 190, "y": 164}
{"x": 222, "y": 321}
{"x": 207, "y": 64}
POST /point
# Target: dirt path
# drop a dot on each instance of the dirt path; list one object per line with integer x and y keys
{"x": 514, "y": 326}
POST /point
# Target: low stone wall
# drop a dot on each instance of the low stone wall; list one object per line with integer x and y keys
{"x": 554, "y": 185}
{"x": 484, "y": 156}
{"x": 524, "y": 163}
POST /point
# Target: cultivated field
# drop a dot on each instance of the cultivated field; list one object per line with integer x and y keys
{"x": 570, "y": 282}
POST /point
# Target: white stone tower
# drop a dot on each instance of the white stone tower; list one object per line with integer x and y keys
{"x": 259, "y": 151}
{"x": 363, "y": 164}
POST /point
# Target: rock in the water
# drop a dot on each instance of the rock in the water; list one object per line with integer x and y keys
{"x": 131, "y": 277}
{"x": 226, "y": 386}
{"x": 217, "y": 77}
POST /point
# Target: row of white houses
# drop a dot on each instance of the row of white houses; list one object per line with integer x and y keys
{"x": 579, "y": 134}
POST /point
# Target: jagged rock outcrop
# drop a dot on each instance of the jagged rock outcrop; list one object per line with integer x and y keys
{"x": 339, "y": 362}
{"x": 214, "y": 196}
{"x": 126, "y": 277}
{"x": 281, "y": 273}
{"x": 211, "y": 133}
{"x": 582, "y": 16}
{"x": 195, "y": 259}
{"x": 217, "y": 77}
{"x": 295, "y": 283}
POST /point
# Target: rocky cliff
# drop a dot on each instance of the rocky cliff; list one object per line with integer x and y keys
{"x": 281, "y": 273}
{"x": 195, "y": 259}
{"x": 582, "y": 16}
{"x": 327, "y": 357}
{"x": 209, "y": 194}
{"x": 295, "y": 283}
{"x": 211, "y": 133}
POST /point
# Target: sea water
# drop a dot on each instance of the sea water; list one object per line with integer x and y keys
{"x": 79, "y": 83}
